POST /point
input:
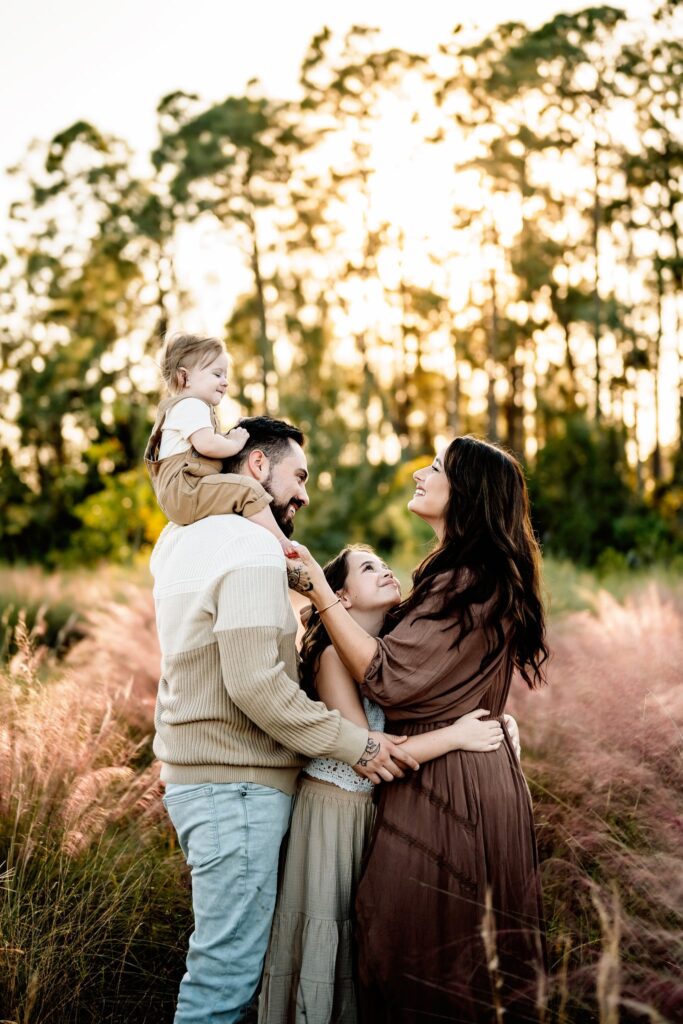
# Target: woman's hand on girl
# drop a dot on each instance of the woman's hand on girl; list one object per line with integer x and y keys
{"x": 470, "y": 733}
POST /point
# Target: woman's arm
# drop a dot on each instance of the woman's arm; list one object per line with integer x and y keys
{"x": 416, "y": 670}
{"x": 355, "y": 647}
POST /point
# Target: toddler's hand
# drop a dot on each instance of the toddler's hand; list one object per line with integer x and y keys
{"x": 238, "y": 436}
{"x": 290, "y": 549}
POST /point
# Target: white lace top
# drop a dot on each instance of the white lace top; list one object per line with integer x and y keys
{"x": 343, "y": 775}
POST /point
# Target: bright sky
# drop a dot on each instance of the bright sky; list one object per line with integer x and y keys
{"x": 110, "y": 63}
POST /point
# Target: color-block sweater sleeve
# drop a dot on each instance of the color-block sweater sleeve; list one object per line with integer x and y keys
{"x": 250, "y": 604}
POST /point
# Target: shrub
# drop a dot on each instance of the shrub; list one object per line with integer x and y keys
{"x": 584, "y": 503}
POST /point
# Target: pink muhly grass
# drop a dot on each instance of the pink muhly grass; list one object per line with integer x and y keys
{"x": 86, "y": 861}
{"x": 67, "y": 761}
{"x": 605, "y": 765}
{"x": 121, "y": 649}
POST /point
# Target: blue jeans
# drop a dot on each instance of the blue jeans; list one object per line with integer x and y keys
{"x": 230, "y": 834}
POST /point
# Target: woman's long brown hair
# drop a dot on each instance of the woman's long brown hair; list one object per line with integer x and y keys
{"x": 490, "y": 551}
{"x": 316, "y": 639}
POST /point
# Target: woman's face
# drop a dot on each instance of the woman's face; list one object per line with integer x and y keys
{"x": 431, "y": 493}
{"x": 370, "y": 584}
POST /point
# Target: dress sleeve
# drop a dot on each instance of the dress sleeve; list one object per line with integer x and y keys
{"x": 418, "y": 673}
{"x": 188, "y": 416}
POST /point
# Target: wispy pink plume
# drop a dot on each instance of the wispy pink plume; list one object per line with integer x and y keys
{"x": 604, "y": 755}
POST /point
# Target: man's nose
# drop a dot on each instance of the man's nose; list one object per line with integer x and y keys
{"x": 303, "y": 495}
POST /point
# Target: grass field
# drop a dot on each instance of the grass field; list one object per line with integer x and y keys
{"x": 95, "y": 906}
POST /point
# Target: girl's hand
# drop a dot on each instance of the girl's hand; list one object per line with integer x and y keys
{"x": 469, "y": 733}
{"x": 513, "y": 730}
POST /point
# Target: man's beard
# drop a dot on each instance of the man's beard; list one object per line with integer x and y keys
{"x": 279, "y": 510}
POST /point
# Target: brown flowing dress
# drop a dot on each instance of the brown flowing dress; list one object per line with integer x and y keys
{"x": 450, "y": 838}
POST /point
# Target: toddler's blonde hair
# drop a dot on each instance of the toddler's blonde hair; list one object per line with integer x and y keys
{"x": 186, "y": 350}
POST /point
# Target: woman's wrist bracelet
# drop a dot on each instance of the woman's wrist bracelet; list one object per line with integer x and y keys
{"x": 328, "y": 606}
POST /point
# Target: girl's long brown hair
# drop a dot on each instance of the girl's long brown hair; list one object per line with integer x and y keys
{"x": 490, "y": 551}
{"x": 316, "y": 639}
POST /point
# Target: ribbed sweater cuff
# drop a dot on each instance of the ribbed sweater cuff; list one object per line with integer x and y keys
{"x": 351, "y": 742}
{"x": 283, "y": 779}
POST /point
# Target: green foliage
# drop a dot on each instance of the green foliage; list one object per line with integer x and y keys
{"x": 584, "y": 506}
{"x": 117, "y": 521}
{"x": 365, "y": 504}
{"x": 544, "y": 336}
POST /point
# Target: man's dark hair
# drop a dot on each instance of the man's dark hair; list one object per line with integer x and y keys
{"x": 270, "y": 436}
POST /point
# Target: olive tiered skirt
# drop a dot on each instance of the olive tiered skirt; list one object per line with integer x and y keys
{"x": 309, "y": 973}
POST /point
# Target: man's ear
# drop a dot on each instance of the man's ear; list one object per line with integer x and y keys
{"x": 258, "y": 464}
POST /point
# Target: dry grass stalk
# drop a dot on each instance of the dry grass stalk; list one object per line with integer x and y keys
{"x": 608, "y": 974}
{"x": 488, "y": 931}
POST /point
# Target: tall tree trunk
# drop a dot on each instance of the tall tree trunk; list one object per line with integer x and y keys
{"x": 401, "y": 398}
{"x": 270, "y": 390}
{"x": 162, "y": 297}
{"x": 514, "y": 410}
{"x": 597, "y": 308}
{"x": 655, "y": 360}
{"x": 453, "y": 395}
{"x": 493, "y": 360}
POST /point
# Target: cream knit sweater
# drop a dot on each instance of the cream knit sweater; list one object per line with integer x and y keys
{"x": 229, "y": 707}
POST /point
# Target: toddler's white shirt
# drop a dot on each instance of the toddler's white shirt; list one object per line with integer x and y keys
{"x": 181, "y": 422}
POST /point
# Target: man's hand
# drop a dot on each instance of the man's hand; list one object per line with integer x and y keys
{"x": 377, "y": 763}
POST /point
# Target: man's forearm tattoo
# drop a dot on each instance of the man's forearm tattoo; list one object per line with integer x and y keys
{"x": 298, "y": 578}
{"x": 371, "y": 751}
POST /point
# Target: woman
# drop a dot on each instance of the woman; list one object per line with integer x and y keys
{"x": 309, "y": 968}
{"x": 449, "y": 906}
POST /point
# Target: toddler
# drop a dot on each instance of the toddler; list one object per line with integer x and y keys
{"x": 185, "y": 450}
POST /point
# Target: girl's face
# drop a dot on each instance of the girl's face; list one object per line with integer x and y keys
{"x": 370, "y": 584}
{"x": 431, "y": 493}
{"x": 208, "y": 382}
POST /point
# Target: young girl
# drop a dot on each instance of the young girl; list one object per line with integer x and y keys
{"x": 309, "y": 972}
{"x": 185, "y": 450}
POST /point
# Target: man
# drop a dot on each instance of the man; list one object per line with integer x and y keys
{"x": 233, "y": 727}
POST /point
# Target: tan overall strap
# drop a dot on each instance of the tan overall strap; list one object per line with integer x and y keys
{"x": 166, "y": 404}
